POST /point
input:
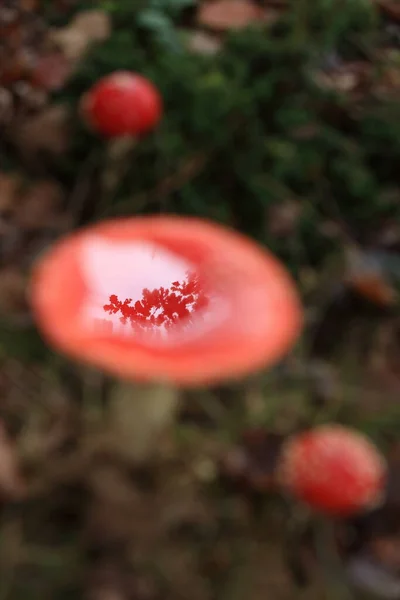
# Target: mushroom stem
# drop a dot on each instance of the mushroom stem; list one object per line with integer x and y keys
{"x": 139, "y": 415}
{"x": 117, "y": 162}
{"x": 332, "y": 567}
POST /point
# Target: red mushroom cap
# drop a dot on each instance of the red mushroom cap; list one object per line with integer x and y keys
{"x": 118, "y": 295}
{"x": 122, "y": 103}
{"x": 334, "y": 470}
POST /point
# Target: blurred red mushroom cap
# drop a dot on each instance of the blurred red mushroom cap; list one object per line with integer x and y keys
{"x": 122, "y": 103}
{"x": 333, "y": 469}
{"x": 166, "y": 298}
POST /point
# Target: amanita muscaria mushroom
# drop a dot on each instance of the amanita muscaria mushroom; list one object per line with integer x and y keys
{"x": 334, "y": 470}
{"x": 122, "y": 103}
{"x": 166, "y": 298}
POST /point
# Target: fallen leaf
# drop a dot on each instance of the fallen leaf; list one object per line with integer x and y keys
{"x": 389, "y": 82}
{"x": 16, "y": 67}
{"x": 107, "y": 581}
{"x": 253, "y": 462}
{"x": 350, "y": 78}
{"x": 87, "y": 28}
{"x": 40, "y": 206}
{"x": 344, "y": 82}
{"x": 73, "y": 43}
{"x": 391, "y": 9}
{"x": 48, "y": 131}
{"x": 204, "y": 43}
{"x": 6, "y": 105}
{"x": 369, "y": 277}
{"x": 306, "y": 132}
{"x": 29, "y": 5}
{"x": 11, "y": 483}
{"x": 9, "y": 188}
{"x": 230, "y": 14}
{"x": 96, "y": 24}
{"x": 32, "y": 98}
{"x": 51, "y": 71}
{"x": 386, "y": 548}
{"x": 10, "y": 235}
{"x": 283, "y": 217}
{"x": 374, "y": 288}
{"x": 13, "y": 300}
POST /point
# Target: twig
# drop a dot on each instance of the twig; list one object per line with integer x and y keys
{"x": 11, "y": 538}
{"x": 82, "y": 187}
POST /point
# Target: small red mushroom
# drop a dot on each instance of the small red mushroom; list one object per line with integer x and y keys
{"x": 333, "y": 469}
{"x": 166, "y": 298}
{"x": 122, "y": 103}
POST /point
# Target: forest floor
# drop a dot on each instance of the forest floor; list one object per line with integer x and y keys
{"x": 194, "y": 513}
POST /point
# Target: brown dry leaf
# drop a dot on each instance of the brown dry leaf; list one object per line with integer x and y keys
{"x": 204, "y": 43}
{"x": 13, "y": 301}
{"x": 73, "y": 43}
{"x": 51, "y": 71}
{"x": 253, "y": 462}
{"x": 11, "y": 483}
{"x": 6, "y": 105}
{"x": 39, "y": 206}
{"x": 389, "y": 82}
{"x": 374, "y": 288}
{"x": 87, "y": 28}
{"x": 10, "y": 186}
{"x": 283, "y": 218}
{"x": 96, "y": 24}
{"x": 387, "y": 550}
{"x": 352, "y": 77}
{"x": 29, "y": 5}
{"x": 32, "y": 98}
{"x": 9, "y": 190}
{"x": 391, "y": 8}
{"x": 367, "y": 277}
{"x": 48, "y": 131}
{"x": 31, "y": 214}
{"x": 109, "y": 581}
{"x": 306, "y": 132}
{"x": 344, "y": 82}
{"x": 230, "y": 14}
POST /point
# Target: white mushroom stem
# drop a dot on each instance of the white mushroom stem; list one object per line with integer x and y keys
{"x": 117, "y": 162}
{"x": 140, "y": 415}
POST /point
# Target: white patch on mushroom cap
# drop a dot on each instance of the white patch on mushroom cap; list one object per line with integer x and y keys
{"x": 125, "y": 269}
